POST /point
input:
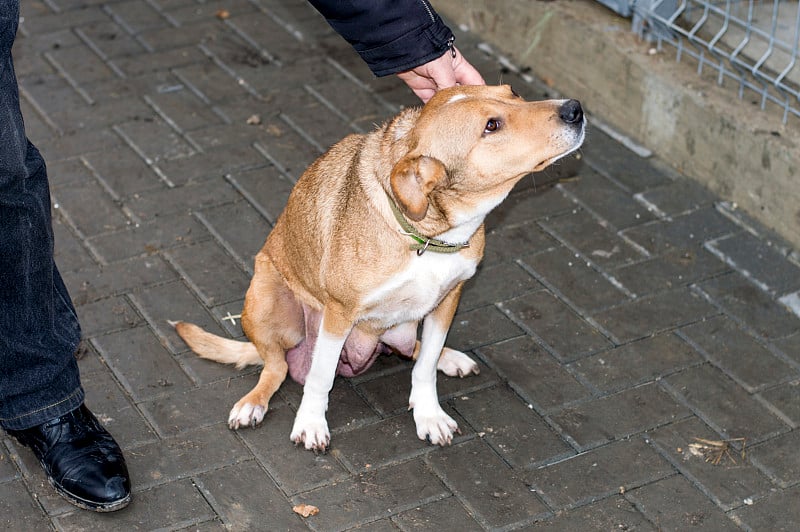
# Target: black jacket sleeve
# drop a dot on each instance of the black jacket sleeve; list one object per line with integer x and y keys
{"x": 390, "y": 35}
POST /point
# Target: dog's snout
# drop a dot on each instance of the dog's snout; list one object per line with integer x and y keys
{"x": 571, "y": 112}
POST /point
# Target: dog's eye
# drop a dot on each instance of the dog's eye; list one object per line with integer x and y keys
{"x": 491, "y": 126}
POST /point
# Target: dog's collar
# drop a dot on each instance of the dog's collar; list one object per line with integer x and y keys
{"x": 422, "y": 243}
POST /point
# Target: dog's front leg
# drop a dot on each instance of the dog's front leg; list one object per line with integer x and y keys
{"x": 431, "y": 420}
{"x": 310, "y": 426}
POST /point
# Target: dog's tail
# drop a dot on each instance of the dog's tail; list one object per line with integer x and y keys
{"x": 217, "y": 348}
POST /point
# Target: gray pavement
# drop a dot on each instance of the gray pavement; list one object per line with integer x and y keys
{"x": 621, "y": 311}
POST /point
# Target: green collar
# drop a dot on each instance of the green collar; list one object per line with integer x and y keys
{"x": 423, "y": 243}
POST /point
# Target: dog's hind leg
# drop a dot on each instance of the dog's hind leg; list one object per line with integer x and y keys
{"x": 273, "y": 320}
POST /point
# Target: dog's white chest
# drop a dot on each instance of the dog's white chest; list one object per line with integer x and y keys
{"x": 417, "y": 289}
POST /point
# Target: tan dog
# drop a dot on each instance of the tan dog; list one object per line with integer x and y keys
{"x": 379, "y": 234}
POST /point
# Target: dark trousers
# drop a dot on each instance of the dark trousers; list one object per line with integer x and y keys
{"x": 39, "y": 331}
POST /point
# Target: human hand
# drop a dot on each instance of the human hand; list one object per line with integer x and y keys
{"x": 448, "y": 70}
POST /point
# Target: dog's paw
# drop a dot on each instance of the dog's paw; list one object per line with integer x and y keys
{"x": 456, "y": 364}
{"x": 435, "y": 425}
{"x": 245, "y": 414}
{"x": 311, "y": 432}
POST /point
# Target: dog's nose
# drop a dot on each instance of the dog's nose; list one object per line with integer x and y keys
{"x": 571, "y": 112}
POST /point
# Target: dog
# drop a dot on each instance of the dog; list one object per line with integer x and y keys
{"x": 378, "y": 234}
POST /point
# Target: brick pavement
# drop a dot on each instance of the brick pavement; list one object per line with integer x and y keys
{"x": 618, "y": 314}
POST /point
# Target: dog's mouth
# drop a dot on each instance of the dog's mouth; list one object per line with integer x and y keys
{"x": 576, "y": 143}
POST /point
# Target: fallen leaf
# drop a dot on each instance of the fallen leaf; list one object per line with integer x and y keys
{"x": 254, "y": 120}
{"x": 222, "y": 14}
{"x": 306, "y": 510}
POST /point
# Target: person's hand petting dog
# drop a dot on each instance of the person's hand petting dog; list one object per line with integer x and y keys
{"x": 449, "y": 70}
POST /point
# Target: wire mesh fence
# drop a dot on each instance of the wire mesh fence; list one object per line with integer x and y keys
{"x": 750, "y": 45}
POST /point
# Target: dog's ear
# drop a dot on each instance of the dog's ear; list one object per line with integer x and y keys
{"x": 413, "y": 178}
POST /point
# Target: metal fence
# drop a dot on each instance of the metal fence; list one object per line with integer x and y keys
{"x": 750, "y": 45}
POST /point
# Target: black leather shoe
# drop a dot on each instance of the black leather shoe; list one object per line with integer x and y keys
{"x": 81, "y": 459}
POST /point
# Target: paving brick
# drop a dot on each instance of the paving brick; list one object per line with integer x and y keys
{"x": 185, "y": 411}
{"x": 202, "y": 450}
{"x": 398, "y": 442}
{"x": 598, "y": 421}
{"x": 143, "y": 366}
{"x": 678, "y": 196}
{"x": 733, "y": 411}
{"x": 495, "y": 494}
{"x": 173, "y": 301}
{"x": 98, "y": 282}
{"x": 212, "y": 273}
{"x": 212, "y": 82}
{"x": 677, "y": 268}
{"x": 612, "y": 159}
{"x": 740, "y": 356}
{"x": 574, "y": 279}
{"x": 245, "y": 498}
{"x": 107, "y": 315}
{"x": 556, "y": 324}
{"x": 166, "y": 38}
{"x": 80, "y": 63}
{"x": 389, "y": 393}
{"x": 752, "y": 256}
{"x": 265, "y": 189}
{"x": 213, "y": 163}
{"x": 51, "y": 94}
{"x": 776, "y": 512}
{"x": 614, "y": 513}
{"x": 515, "y": 432}
{"x": 187, "y": 13}
{"x": 533, "y": 373}
{"x": 580, "y": 231}
{"x": 184, "y": 109}
{"x": 76, "y": 142}
{"x": 506, "y": 244}
{"x": 786, "y": 399}
{"x": 439, "y": 515}
{"x": 38, "y": 21}
{"x": 607, "y": 200}
{"x": 154, "y": 140}
{"x": 90, "y": 208}
{"x": 136, "y": 17}
{"x": 647, "y": 316}
{"x": 352, "y": 101}
{"x": 164, "y": 232}
{"x": 682, "y": 232}
{"x": 674, "y": 504}
{"x": 599, "y": 473}
{"x": 728, "y": 484}
{"x": 148, "y": 63}
{"x": 790, "y": 346}
{"x": 178, "y": 504}
{"x": 496, "y": 283}
{"x": 778, "y": 458}
{"x": 114, "y": 409}
{"x": 18, "y": 510}
{"x": 67, "y": 173}
{"x": 636, "y": 363}
{"x": 484, "y": 325}
{"x": 226, "y": 223}
{"x": 293, "y": 468}
{"x": 372, "y": 495}
{"x": 268, "y": 35}
{"x": 70, "y": 253}
{"x": 205, "y": 371}
{"x": 7, "y": 470}
{"x": 752, "y": 306}
{"x": 527, "y": 205}
{"x": 192, "y": 196}
{"x": 109, "y": 39}
{"x": 125, "y": 174}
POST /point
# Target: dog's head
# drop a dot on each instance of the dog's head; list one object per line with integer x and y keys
{"x": 469, "y": 145}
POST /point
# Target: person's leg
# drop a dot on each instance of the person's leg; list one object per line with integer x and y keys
{"x": 41, "y": 398}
